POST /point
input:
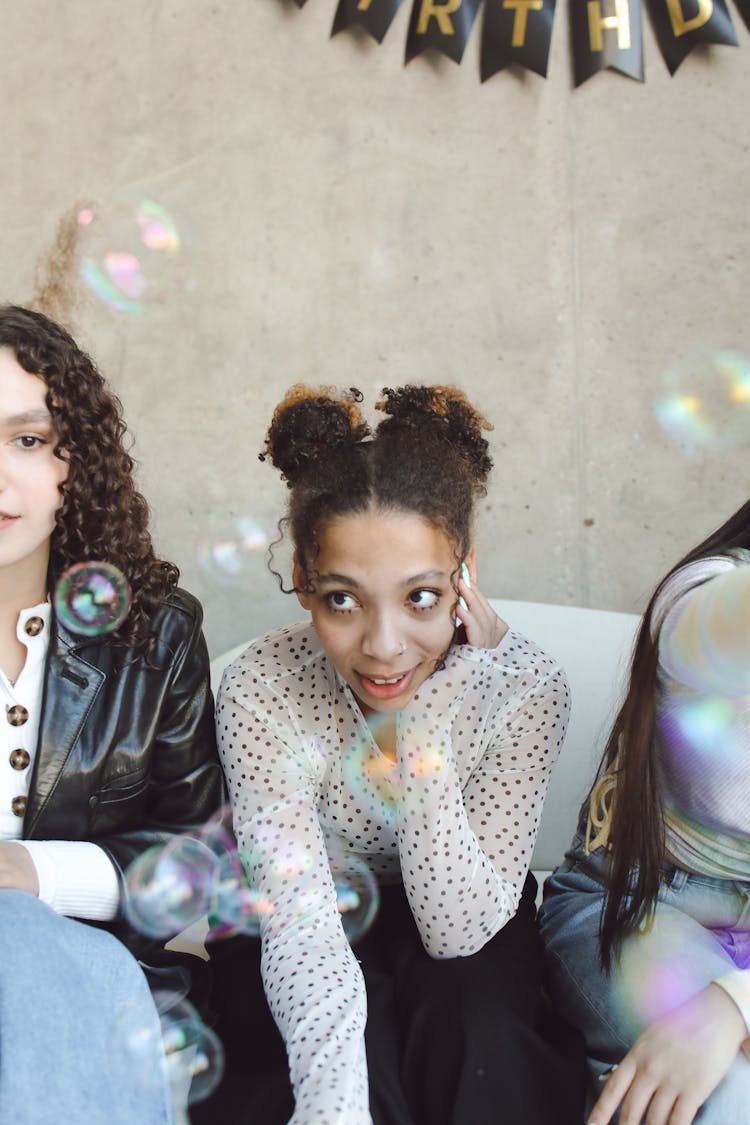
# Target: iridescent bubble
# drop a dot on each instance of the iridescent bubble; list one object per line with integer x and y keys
{"x": 655, "y": 974}
{"x": 217, "y": 832}
{"x": 130, "y": 254}
{"x": 372, "y": 776}
{"x": 158, "y": 228}
{"x": 232, "y": 551}
{"x": 235, "y": 907}
{"x": 701, "y": 727}
{"x": 178, "y": 1048}
{"x": 704, "y": 401}
{"x": 92, "y": 598}
{"x": 194, "y": 1054}
{"x": 357, "y": 895}
{"x": 170, "y": 886}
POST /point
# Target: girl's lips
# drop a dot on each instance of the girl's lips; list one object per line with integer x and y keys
{"x": 387, "y": 690}
{"x": 6, "y": 521}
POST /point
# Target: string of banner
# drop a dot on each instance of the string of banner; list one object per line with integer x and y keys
{"x": 605, "y": 33}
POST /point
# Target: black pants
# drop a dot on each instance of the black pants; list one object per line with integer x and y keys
{"x": 464, "y": 1041}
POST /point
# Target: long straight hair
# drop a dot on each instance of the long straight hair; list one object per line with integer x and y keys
{"x": 637, "y": 829}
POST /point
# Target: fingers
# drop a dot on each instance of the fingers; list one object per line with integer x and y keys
{"x": 641, "y": 1098}
{"x": 615, "y": 1090}
{"x": 484, "y": 629}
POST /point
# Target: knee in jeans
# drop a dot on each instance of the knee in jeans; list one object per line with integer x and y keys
{"x": 22, "y": 918}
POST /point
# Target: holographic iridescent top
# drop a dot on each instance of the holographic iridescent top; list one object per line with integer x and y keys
{"x": 702, "y": 616}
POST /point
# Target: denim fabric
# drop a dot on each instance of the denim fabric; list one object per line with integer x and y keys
{"x": 69, "y": 995}
{"x": 701, "y": 930}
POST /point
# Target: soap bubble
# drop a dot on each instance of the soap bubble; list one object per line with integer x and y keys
{"x": 177, "y": 1047}
{"x": 92, "y": 598}
{"x": 656, "y": 971}
{"x": 357, "y": 895}
{"x": 701, "y": 728}
{"x": 130, "y": 254}
{"x": 170, "y": 886}
{"x": 194, "y": 1054}
{"x": 216, "y": 833}
{"x": 704, "y": 401}
{"x": 236, "y": 907}
{"x": 231, "y": 551}
{"x": 371, "y": 776}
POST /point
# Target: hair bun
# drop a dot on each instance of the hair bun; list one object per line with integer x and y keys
{"x": 444, "y": 413}
{"x": 310, "y": 423}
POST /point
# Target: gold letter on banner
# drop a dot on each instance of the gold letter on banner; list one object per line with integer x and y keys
{"x": 441, "y": 11}
{"x": 522, "y": 8}
{"x": 363, "y": 5}
{"x": 597, "y": 23}
{"x": 680, "y": 25}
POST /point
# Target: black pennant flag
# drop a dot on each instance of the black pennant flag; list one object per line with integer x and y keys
{"x": 516, "y": 31}
{"x": 374, "y": 16}
{"x": 606, "y": 33}
{"x": 744, "y": 9}
{"x": 681, "y": 24}
{"x": 442, "y": 24}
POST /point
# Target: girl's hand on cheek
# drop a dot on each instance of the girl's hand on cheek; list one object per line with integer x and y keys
{"x": 484, "y": 629}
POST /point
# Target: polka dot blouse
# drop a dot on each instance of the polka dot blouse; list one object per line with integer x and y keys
{"x": 455, "y": 818}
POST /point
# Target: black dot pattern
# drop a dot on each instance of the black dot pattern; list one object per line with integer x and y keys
{"x": 455, "y": 818}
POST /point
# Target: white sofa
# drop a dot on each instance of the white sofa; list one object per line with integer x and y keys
{"x": 594, "y": 647}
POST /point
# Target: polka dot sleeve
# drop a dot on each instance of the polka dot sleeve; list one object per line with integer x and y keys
{"x": 465, "y": 838}
{"x": 312, "y": 980}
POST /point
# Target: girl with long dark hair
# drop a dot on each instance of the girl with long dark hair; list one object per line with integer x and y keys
{"x": 647, "y": 922}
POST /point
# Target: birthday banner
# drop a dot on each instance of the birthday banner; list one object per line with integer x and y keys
{"x": 605, "y": 34}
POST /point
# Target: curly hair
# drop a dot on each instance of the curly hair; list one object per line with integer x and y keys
{"x": 102, "y": 516}
{"x": 428, "y": 456}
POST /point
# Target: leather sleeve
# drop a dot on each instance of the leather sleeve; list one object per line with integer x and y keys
{"x": 185, "y": 782}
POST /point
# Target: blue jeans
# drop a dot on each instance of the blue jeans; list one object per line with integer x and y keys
{"x": 68, "y": 994}
{"x": 701, "y": 930}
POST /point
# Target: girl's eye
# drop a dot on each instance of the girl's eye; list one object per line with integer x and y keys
{"x": 340, "y": 601}
{"x": 424, "y": 599}
{"x": 29, "y": 441}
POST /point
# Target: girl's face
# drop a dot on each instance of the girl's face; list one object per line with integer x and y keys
{"x": 382, "y": 603}
{"x": 30, "y": 474}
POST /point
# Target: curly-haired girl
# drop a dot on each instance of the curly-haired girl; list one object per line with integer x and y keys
{"x": 646, "y": 923}
{"x": 409, "y": 726}
{"x": 108, "y": 741}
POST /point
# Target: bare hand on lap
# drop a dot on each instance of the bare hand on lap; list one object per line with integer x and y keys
{"x": 676, "y": 1063}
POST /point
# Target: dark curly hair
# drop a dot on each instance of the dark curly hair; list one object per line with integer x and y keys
{"x": 428, "y": 456}
{"x": 102, "y": 517}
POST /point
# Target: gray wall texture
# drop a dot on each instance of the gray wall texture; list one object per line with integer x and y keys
{"x": 561, "y": 254}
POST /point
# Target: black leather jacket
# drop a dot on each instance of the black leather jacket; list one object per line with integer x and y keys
{"x": 126, "y": 755}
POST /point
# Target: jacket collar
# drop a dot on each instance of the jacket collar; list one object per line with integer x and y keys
{"x": 71, "y": 684}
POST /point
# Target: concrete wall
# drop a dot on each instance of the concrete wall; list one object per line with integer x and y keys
{"x": 348, "y": 220}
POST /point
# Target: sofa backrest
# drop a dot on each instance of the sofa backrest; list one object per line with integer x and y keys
{"x": 594, "y": 647}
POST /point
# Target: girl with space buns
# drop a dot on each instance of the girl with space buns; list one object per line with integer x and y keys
{"x": 404, "y": 724}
